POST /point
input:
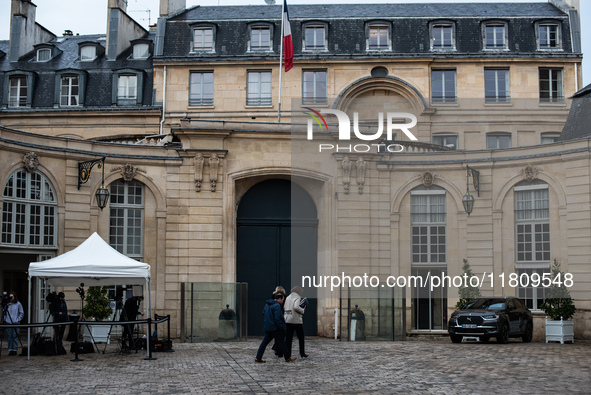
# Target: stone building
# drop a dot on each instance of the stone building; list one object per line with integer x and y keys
{"x": 218, "y": 181}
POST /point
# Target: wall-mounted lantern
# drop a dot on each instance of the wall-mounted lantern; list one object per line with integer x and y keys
{"x": 84, "y": 169}
{"x": 468, "y": 199}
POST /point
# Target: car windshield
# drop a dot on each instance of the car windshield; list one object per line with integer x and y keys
{"x": 485, "y": 304}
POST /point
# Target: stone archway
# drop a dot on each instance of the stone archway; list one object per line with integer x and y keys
{"x": 386, "y": 94}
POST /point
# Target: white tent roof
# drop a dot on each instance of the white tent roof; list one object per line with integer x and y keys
{"x": 94, "y": 262}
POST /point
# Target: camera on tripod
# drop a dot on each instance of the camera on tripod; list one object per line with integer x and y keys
{"x": 5, "y": 299}
{"x": 52, "y": 299}
{"x": 80, "y": 290}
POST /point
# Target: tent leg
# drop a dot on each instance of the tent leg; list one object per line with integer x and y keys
{"x": 149, "y": 334}
{"x": 29, "y": 321}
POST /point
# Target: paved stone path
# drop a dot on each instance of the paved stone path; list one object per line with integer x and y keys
{"x": 334, "y": 367}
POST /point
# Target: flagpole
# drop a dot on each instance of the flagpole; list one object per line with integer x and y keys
{"x": 281, "y": 61}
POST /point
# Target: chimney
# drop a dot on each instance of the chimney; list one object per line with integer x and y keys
{"x": 121, "y": 4}
{"x": 121, "y": 29}
{"x": 170, "y": 7}
{"x": 24, "y": 31}
{"x": 574, "y": 4}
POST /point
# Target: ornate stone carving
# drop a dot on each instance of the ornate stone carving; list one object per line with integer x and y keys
{"x": 427, "y": 179}
{"x": 346, "y": 174}
{"x": 530, "y": 173}
{"x": 214, "y": 162}
{"x": 31, "y": 161}
{"x": 360, "y": 164}
{"x": 198, "y": 163}
{"x": 128, "y": 171}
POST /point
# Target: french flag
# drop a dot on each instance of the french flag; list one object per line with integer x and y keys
{"x": 287, "y": 42}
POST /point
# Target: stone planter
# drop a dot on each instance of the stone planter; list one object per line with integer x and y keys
{"x": 100, "y": 333}
{"x": 560, "y": 331}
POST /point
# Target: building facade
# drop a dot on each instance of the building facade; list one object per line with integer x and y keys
{"x": 215, "y": 178}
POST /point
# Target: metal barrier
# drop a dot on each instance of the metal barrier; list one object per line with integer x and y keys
{"x": 77, "y": 323}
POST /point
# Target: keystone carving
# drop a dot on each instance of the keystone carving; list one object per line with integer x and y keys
{"x": 427, "y": 179}
{"x": 530, "y": 173}
{"x": 128, "y": 171}
{"x": 31, "y": 161}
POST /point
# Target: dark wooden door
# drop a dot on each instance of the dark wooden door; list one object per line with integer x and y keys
{"x": 267, "y": 247}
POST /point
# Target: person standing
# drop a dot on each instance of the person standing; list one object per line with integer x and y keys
{"x": 274, "y": 325}
{"x": 294, "y": 319}
{"x": 60, "y": 315}
{"x": 279, "y": 290}
{"x": 130, "y": 311}
{"x": 14, "y": 314}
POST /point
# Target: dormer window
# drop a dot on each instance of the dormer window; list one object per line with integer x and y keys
{"x": 141, "y": 51}
{"x": 260, "y": 38}
{"x": 494, "y": 36}
{"x": 378, "y": 37}
{"x": 548, "y": 36}
{"x": 88, "y": 53}
{"x": 70, "y": 88}
{"x": 18, "y": 89}
{"x": 43, "y": 54}
{"x": 315, "y": 37}
{"x": 203, "y": 39}
{"x": 443, "y": 37}
{"x": 127, "y": 87}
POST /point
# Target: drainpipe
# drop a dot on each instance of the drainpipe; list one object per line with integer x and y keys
{"x": 163, "y": 101}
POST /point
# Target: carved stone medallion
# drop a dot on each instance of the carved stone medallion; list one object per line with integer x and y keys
{"x": 530, "y": 173}
{"x": 427, "y": 179}
{"x": 31, "y": 161}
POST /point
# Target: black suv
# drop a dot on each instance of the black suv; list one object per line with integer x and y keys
{"x": 497, "y": 317}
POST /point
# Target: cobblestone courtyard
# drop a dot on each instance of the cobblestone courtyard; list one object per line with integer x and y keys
{"x": 413, "y": 366}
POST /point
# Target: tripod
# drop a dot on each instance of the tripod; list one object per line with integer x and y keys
{"x": 9, "y": 330}
{"x": 117, "y": 310}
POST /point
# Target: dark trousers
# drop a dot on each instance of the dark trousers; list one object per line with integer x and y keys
{"x": 299, "y": 330}
{"x": 279, "y": 336}
{"x": 128, "y": 335}
{"x": 59, "y": 333}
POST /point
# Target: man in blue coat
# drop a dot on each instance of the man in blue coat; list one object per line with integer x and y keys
{"x": 274, "y": 325}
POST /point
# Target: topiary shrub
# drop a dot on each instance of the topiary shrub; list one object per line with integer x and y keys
{"x": 558, "y": 302}
{"x": 98, "y": 305}
{"x": 468, "y": 292}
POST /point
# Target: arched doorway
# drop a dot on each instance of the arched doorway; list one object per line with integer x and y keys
{"x": 276, "y": 235}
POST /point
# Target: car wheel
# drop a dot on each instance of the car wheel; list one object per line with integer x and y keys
{"x": 484, "y": 339}
{"x": 528, "y": 334}
{"x": 455, "y": 338}
{"x": 503, "y": 336}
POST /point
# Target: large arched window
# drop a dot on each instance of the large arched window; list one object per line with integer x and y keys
{"x": 29, "y": 211}
{"x": 126, "y": 226}
{"x": 532, "y": 237}
{"x": 428, "y": 217}
{"x": 428, "y": 256}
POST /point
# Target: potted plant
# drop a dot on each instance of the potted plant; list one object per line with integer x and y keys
{"x": 97, "y": 308}
{"x": 559, "y": 306}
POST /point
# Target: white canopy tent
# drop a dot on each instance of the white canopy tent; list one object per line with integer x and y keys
{"x": 94, "y": 262}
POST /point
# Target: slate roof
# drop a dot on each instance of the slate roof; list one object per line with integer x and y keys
{"x": 403, "y": 10}
{"x": 100, "y": 72}
{"x": 578, "y": 123}
{"x": 346, "y": 29}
